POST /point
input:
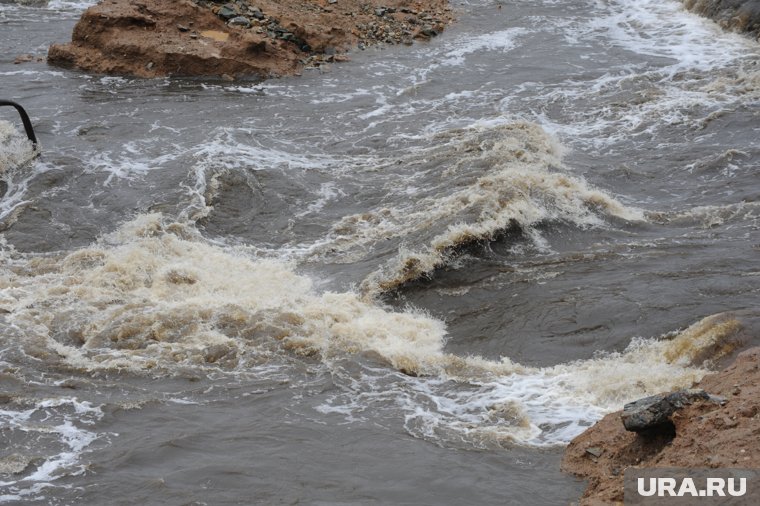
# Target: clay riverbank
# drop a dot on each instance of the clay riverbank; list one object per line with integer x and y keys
{"x": 707, "y": 434}
{"x": 242, "y": 38}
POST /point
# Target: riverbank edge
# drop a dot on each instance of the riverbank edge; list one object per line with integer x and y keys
{"x": 707, "y": 435}
{"x": 239, "y": 39}
{"x": 738, "y": 16}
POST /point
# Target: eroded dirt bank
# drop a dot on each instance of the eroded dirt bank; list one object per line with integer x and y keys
{"x": 262, "y": 38}
{"x": 707, "y": 435}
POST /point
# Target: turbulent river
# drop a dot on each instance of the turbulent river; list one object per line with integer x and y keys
{"x": 407, "y": 279}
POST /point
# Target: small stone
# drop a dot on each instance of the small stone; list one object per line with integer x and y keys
{"x": 23, "y": 58}
{"x": 748, "y": 411}
{"x": 183, "y": 28}
{"x": 595, "y": 451}
{"x": 227, "y": 12}
{"x": 257, "y": 14}
{"x": 240, "y": 21}
{"x": 429, "y": 31}
{"x": 380, "y": 12}
{"x": 717, "y": 399}
{"x": 729, "y": 423}
{"x": 332, "y": 1}
{"x": 149, "y": 66}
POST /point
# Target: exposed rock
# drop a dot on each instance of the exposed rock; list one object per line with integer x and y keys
{"x": 23, "y": 58}
{"x": 154, "y": 38}
{"x": 704, "y": 433}
{"x": 595, "y": 451}
{"x": 240, "y": 21}
{"x": 736, "y": 15}
{"x": 651, "y": 412}
{"x": 142, "y": 40}
{"x": 227, "y": 12}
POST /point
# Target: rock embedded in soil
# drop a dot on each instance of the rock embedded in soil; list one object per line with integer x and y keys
{"x": 266, "y": 38}
{"x": 706, "y": 434}
{"x": 653, "y": 411}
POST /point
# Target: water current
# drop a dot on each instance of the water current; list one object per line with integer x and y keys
{"x": 410, "y": 278}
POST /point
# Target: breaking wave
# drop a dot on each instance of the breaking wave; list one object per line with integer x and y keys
{"x": 154, "y": 297}
{"x": 473, "y": 184}
{"x": 15, "y": 149}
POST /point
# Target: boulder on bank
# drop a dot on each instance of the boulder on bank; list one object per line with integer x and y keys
{"x": 265, "y": 38}
{"x": 705, "y": 434}
{"x": 737, "y": 15}
{"x": 652, "y": 412}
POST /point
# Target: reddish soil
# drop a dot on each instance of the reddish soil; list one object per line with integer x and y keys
{"x": 707, "y": 435}
{"x": 152, "y": 38}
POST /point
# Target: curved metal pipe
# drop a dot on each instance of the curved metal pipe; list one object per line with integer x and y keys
{"x": 24, "y": 119}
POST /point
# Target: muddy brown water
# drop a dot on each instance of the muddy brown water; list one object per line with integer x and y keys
{"x": 407, "y": 279}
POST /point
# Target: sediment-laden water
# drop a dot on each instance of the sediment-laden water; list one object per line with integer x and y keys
{"x": 407, "y": 279}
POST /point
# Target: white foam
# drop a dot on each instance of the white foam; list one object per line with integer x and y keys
{"x": 474, "y": 183}
{"x": 57, "y": 425}
{"x": 676, "y": 63}
{"x": 500, "y": 41}
{"x": 15, "y": 149}
{"x": 71, "y": 4}
{"x": 16, "y": 169}
{"x": 327, "y": 192}
{"x": 668, "y": 30}
{"x": 128, "y": 163}
{"x": 227, "y": 152}
{"x": 487, "y": 403}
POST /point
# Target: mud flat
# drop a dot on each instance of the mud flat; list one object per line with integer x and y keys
{"x": 704, "y": 434}
{"x": 266, "y": 38}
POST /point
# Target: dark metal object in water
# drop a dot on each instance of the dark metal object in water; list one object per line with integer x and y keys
{"x": 24, "y": 118}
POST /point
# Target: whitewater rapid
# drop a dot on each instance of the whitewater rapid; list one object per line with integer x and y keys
{"x": 485, "y": 242}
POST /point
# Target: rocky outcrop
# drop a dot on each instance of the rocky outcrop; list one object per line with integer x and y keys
{"x": 737, "y": 15}
{"x": 703, "y": 432}
{"x": 265, "y": 38}
{"x": 651, "y": 413}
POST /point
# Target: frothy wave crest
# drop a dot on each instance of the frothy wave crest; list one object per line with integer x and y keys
{"x": 155, "y": 296}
